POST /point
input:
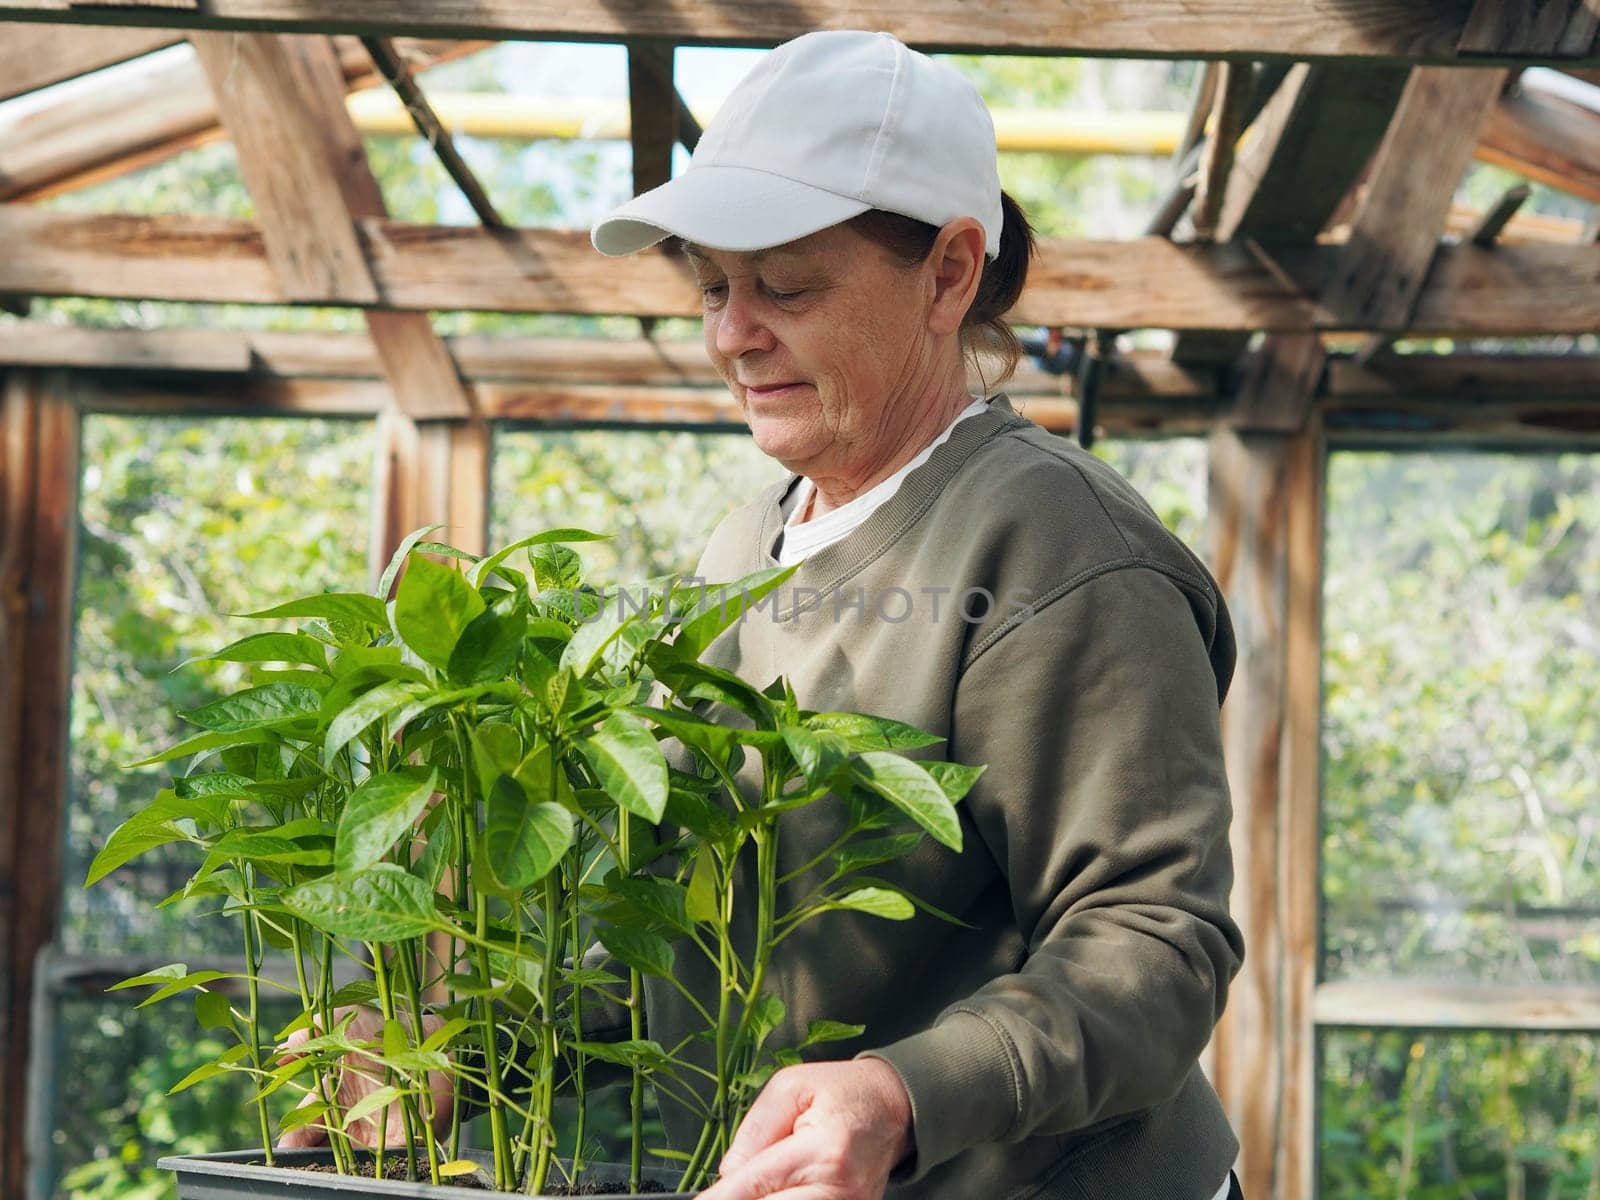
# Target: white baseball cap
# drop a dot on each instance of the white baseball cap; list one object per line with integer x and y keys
{"x": 826, "y": 127}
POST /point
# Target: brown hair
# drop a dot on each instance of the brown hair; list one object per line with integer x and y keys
{"x": 985, "y": 330}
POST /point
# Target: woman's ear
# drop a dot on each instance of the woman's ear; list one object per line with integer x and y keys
{"x": 956, "y": 261}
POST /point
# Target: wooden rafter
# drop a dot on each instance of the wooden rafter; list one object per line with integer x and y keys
{"x": 281, "y": 99}
{"x": 1545, "y": 137}
{"x": 1147, "y": 282}
{"x": 98, "y": 133}
{"x": 1394, "y": 234}
{"x": 652, "y": 113}
{"x": 37, "y": 56}
{"x": 1561, "y": 28}
{"x": 1309, "y": 144}
{"x": 1394, "y": 30}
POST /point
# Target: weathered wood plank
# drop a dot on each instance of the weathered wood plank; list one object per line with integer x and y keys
{"x": 281, "y": 99}
{"x": 1120, "y": 285}
{"x": 1307, "y": 148}
{"x": 94, "y": 134}
{"x": 37, "y": 56}
{"x": 652, "y": 113}
{"x": 1396, "y": 227}
{"x": 1262, "y": 529}
{"x": 1545, "y": 137}
{"x": 39, "y": 428}
{"x": 1401, "y": 1005}
{"x": 1564, "y": 28}
{"x": 1281, "y": 381}
{"x": 1398, "y": 30}
{"x": 271, "y": 93}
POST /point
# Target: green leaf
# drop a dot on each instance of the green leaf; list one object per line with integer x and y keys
{"x": 161, "y": 975}
{"x": 872, "y": 851}
{"x": 908, "y": 786}
{"x": 399, "y": 557}
{"x": 179, "y": 986}
{"x": 955, "y": 778}
{"x": 381, "y": 904}
{"x": 496, "y": 751}
{"x": 724, "y": 605}
{"x": 831, "y": 1031}
{"x": 646, "y": 953}
{"x": 628, "y": 763}
{"x": 371, "y": 706}
{"x": 268, "y": 647}
{"x": 377, "y": 814}
{"x": 818, "y": 755}
{"x": 692, "y": 681}
{"x": 862, "y": 732}
{"x": 256, "y": 708}
{"x": 438, "y": 850}
{"x": 877, "y": 902}
{"x": 334, "y": 606}
{"x": 488, "y": 565}
{"x": 661, "y": 902}
{"x": 766, "y": 1014}
{"x": 522, "y": 840}
{"x": 135, "y": 836}
{"x": 376, "y": 1099}
{"x": 489, "y": 644}
{"x": 213, "y": 1011}
{"x": 700, "y": 901}
{"x": 432, "y": 609}
{"x": 202, "y": 742}
{"x": 302, "y": 1115}
{"x": 692, "y": 730}
{"x": 457, "y": 1166}
{"x": 217, "y": 1066}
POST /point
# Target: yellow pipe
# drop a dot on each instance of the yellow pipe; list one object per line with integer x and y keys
{"x": 524, "y": 118}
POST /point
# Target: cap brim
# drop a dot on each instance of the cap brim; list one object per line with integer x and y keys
{"x": 724, "y": 208}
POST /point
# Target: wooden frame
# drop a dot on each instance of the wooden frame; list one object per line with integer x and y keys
{"x": 1147, "y": 282}
{"x": 1396, "y": 30}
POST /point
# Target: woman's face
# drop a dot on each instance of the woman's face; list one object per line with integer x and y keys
{"x": 826, "y": 345}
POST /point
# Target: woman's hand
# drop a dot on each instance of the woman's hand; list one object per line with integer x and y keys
{"x": 822, "y": 1131}
{"x": 359, "y": 1076}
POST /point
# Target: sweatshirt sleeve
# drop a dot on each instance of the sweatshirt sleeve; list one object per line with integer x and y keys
{"x": 1105, "y": 805}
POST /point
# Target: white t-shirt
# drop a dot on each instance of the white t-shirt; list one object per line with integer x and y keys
{"x": 803, "y": 539}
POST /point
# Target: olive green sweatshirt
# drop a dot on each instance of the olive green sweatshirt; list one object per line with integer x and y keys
{"x": 1018, "y": 598}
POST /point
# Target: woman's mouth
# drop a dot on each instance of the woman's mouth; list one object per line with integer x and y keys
{"x": 770, "y": 391}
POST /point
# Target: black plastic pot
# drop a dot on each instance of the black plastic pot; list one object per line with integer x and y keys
{"x": 244, "y": 1175}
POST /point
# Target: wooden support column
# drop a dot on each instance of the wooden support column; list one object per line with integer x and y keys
{"x": 431, "y": 474}
{"x": 282, "y": 102}
{"x": 38, "y": 528}
{"x": 1265, "y": 528}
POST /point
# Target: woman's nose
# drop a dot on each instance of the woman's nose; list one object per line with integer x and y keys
{"x": 740, "y": 327}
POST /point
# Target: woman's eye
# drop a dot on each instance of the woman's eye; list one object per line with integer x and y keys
{"x": 781, "y": 294}
{"x": 712, "y": 292}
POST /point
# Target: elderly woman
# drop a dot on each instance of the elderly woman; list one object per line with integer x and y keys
{"x": 971, "y": 574}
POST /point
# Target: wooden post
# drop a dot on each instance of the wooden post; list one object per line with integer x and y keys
{"x": 1265, "y": 529}
{"x": 38, "y": 527}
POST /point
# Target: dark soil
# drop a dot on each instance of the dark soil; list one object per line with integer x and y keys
{"x": 395, "y": 1168}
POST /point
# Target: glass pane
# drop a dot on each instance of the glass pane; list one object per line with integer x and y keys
{"x": 1458, "y": 1115}
{"x": 660, "y": 493}
{"x": 183, "y": 520}
{"x": 1461, "y": 802}
{"x": 110, "y": 1115}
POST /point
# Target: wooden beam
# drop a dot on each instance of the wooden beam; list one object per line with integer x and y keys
{"x": 1545, "y": 137}
{"x": 652, "y": 113}
{"x": 95, "y": 134}
{"x": 1394, "y": 30}
{"x": 1280, "y": 385}
{"x": 1264, "y": 528}
{"x": 281, "y": 99}
{"x": 1396, "y": 227}
{"x": 1398, "y": 1005}
{"x": 1147, "y": 282}
{"x": 394, "y": 69}
{"x": 1216, "y": 162}
{"x": 1560, "y": 28}
{"x": 1308, "y": 147}
{"x": 39, "y": 56}
{"x": 38, "y": 537}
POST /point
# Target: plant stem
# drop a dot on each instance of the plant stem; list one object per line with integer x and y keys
{"x": 336, "y": 1141}
{"x": 491, "y": 1053}
{"x": 409, "y": 972}
{"x": 635, "y": 1023}
{"x": 253, "y": 961}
